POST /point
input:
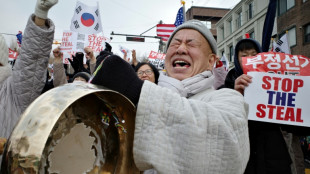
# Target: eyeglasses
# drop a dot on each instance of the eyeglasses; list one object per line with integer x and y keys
{"x": 147, "y": 72}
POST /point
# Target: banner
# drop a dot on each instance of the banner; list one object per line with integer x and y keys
{"x": 73, "y": 42}
{"x": 278, "y": 98}
{"x": 279, "y": 63}
{"x": 157, "y": 59}
{"x": 86, "y": 19}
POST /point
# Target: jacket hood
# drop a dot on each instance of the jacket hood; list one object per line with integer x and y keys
{"x": 238, "y": 68}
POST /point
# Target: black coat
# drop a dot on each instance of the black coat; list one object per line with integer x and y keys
{"x": 268, "y": 150}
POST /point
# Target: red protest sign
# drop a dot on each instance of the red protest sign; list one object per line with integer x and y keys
{"x": 155, "y": 55}
{"x": 157, "y": 59}
{"x": 279, "y": 63}
{"x": 12, "y": 54}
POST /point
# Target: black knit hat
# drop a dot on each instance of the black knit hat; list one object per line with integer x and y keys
{"x": 84, "y": 75}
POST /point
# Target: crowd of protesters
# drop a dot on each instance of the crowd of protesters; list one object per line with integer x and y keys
{"x": 183, "y": 122}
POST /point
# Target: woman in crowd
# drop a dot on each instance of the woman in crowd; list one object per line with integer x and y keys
{"x": 147, "y": 71}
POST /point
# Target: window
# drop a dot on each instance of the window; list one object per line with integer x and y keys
{"x": 252, "y": 35}
{"x": 292, "y": 36}
{"x": 231, "y": 53}
{"x": 238, "y": 39}
{"x": 229, "y": 26}
{"x": 207, "y": 23}
{"x": 307, "y": 33}
{"x": 222, "y": 32}
{"x": 285, "y": 5}
{"x": 250, "y": 12}
{"x": 239, "y": 20}
{"x": 209, "y": 26}
{"x": 304, "y": 1}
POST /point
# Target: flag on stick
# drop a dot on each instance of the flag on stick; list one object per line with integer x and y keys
{"x": 86, "y": 19}
{"x": 165, "y": 30}
{"x": 268, "y": 25}
{"x": 282, "y": 45}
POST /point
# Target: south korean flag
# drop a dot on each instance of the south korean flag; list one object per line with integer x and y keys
{"x": 86, "y": 19}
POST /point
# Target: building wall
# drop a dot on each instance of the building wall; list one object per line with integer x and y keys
{"x": 298, "y": 16}
{"x": 207, "y": 14}
{"x": 255, "y": 24}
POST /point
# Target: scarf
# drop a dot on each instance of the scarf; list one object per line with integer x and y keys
{"x": 187, "y": 87}
{"x": 5, "y": 72}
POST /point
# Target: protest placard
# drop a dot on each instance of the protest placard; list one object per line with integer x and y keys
{"x": 157, "y": 59}
{"x": 73, "y": 42}
{"x": 278, "y": 98}
{"x": 279, "y": 63}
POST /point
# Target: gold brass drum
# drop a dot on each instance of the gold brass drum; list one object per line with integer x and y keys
{"x": 75, "y": 128}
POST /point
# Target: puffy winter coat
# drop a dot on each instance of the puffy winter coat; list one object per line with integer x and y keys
{"x": 28, "y": 77}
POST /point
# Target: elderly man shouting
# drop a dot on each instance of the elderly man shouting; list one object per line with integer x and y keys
{"x": 183, "y": 125}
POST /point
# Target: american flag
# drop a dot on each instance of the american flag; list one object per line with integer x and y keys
{"x": 180, "y": 18}
{"x": 165, "y": 30}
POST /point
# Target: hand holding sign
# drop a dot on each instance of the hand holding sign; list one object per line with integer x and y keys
{"x": 241, "y": 82}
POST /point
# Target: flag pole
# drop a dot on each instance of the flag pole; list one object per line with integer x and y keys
{"x": 184, "y": 15}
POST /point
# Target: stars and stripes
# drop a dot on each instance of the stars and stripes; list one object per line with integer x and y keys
{"x": 180, "y": 18}
{"x": 165, "y": 30}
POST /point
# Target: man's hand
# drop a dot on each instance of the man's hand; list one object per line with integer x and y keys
{"x": 2, "y": 144}
{"x": 43, "y": 6}
{"x": 241, "y": 82}
{"x": 134, "y": 58}
{"x": 90, "y": 54}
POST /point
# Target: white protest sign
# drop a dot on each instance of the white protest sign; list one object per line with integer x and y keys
{"x": 276, "y": 98}
{"x": 157, "y": 59}
{"x": 73, "y": 42}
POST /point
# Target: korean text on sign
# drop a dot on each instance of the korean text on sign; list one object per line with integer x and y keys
{"x": 279, "y": 63}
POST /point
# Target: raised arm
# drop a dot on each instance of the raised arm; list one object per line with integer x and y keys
{"x": 31, "y": 65}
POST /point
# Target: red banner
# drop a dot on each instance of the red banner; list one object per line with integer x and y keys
{"x": 279, "y": 63}
{"x": 155, "y": 55}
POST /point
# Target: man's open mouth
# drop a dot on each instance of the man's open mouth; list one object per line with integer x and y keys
{"x": 181, "y": 63}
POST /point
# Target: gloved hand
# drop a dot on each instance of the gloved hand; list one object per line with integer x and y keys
{"x": 116, "y": 74}
{"x": 77, "y": 62}
{"x": 43, "y": 6}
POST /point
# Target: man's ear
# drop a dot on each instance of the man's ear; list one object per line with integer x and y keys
{"x": 211, "y": 60}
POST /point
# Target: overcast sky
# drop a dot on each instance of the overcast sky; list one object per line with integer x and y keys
{"x": 120, "y": 16}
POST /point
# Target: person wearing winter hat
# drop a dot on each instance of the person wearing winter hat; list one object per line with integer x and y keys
{"x": 182, "y": 124}
{"x": 244, "y": 48}
{"x": 81, "y": 76}
{"x": 25, "y": 83}
{"x": 280, "y": 154}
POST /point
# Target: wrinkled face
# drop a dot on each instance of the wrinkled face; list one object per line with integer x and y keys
{"x": 145, "y": 72}
{"x": 79, "y": 79}
{"x": 246, "y": 53}
{"x": 188, "y": 54}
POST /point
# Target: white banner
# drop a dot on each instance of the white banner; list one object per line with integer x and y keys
{"x": 73, "y": 42}
{"x": 279, "y": 98}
